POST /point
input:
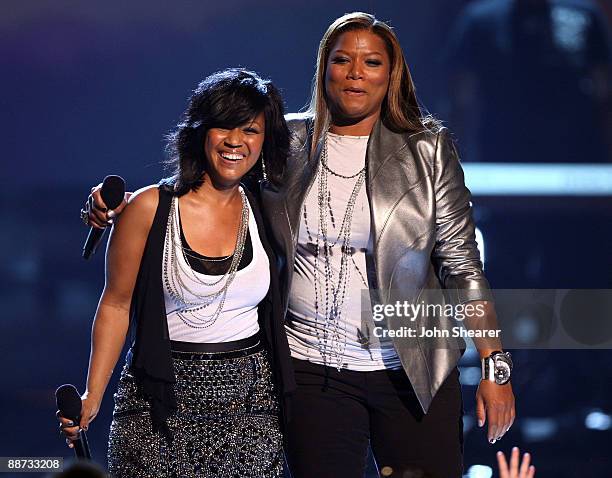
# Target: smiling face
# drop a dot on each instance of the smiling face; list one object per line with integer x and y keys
{"x": 231, "y": 153}
{"x": 357, "y": 77}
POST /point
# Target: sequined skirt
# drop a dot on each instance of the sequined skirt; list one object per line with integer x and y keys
{"x": 226, "y": 425}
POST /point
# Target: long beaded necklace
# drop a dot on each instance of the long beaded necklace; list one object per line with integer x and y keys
{"x": 331, "y": 344}
{"x": 174, "y": 271}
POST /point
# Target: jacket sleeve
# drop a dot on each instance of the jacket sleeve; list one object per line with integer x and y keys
{"x": 455, "y": 256}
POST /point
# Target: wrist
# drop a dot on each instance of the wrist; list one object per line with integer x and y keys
{"x": 497, "y": 367}
{"x": 93, "y": 395}
{"x": 485, "y": 352}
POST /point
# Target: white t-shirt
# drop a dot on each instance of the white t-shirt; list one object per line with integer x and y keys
{"x": 346, "y": 156}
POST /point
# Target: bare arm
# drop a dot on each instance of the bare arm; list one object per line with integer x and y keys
{"x": 110, "y": 326}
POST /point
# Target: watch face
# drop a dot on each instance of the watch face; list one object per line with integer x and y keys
{"x": 502, "y": 371}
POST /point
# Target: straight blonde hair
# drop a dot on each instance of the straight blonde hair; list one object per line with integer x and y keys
{"x": 400, "y": 109}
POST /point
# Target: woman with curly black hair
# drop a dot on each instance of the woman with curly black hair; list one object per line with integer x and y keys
{"x": 189, "y": 270}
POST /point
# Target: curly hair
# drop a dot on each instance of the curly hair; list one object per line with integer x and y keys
{"x": 226, "y": 99}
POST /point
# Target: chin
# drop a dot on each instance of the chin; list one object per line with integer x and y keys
{"x": 353, "y": 111}
{"x": 354, "y": 115}
{"x": 228, "y": 178}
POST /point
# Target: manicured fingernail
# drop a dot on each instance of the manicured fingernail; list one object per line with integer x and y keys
{"x": 491, "y": 441}
{"x": 110, "y": 214}
{"x": 480, "y": 422}
{"x": 515, "y": 448}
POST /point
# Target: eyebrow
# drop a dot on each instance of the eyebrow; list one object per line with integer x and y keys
{"x": 367, "y": 53}
{"x": 252, "y": 123}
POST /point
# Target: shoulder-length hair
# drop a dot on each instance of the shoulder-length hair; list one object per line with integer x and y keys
{"x": 400, "y": 109}
{"x": 226, "y": 99}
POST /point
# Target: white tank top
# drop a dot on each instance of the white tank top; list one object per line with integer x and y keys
{"x": 238, "y": 318}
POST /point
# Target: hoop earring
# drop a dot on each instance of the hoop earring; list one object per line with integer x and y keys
{"x": 263, "y": 167}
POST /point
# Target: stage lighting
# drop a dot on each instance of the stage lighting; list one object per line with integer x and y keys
{"x": 538, "y": 429}
{"x": 479, "y": 471}
{"x": 597, "y": 420}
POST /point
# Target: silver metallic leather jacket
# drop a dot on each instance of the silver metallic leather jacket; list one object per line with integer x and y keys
{"x": 422, "y": 227}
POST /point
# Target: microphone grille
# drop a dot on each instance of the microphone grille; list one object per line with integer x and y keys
{"x": 113, "y": 190}
{"x": 68, "y": 401}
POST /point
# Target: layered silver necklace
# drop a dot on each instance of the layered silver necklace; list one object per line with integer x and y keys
{"x": 192, "y": 303}
{"x": 329, "y": 302}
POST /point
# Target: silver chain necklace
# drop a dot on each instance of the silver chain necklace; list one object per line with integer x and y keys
{"x": 191, "y": 310}
{"x": 203, "y": 260}
{"x": 331, "y": 344}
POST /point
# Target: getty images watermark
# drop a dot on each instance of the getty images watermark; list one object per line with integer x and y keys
{"x": 523, "y": 318}
{"x": 411, "y": 312}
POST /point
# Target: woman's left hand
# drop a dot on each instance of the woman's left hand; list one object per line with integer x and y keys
{"x": 89, "y": 409}
{"x": 495, "y": 404}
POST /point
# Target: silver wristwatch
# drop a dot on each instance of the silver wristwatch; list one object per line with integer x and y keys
{"x": 497, "y": 367}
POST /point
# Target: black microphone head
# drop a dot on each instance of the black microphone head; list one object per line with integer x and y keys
{"x": 68, "y": 402}
{"x": 113, "y": 191}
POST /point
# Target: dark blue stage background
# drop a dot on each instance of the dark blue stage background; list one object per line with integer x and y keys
{"x": 90, "y": 88}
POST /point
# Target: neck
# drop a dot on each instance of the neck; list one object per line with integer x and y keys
{"x": 218, "y": 194}
{"x": 353, "y": 126}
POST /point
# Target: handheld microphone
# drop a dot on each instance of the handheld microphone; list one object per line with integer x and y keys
{"x": 69, "y": 404}
{"x": 113, "y": 191}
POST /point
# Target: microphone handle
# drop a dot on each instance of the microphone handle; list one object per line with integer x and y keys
{"x": 92, "y": 242}
{"x": 81, "y": 447}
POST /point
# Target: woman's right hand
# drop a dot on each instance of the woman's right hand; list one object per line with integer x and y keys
{"x": 89, "y": 409}
{"x": 98, "y": 214}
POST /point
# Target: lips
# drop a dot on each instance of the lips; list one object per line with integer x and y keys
{"x": 230, "y": 160}
{"x": 354, "y": 91}
{"x": 232, "y": 156}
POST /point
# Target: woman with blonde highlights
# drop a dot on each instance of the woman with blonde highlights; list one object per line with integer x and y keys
{"x": 372, "y": 209}
{"x": 374, "y": 200}
{"x": 401, "y": 109}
